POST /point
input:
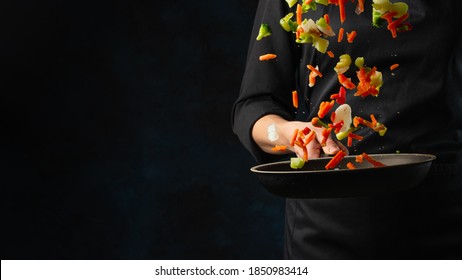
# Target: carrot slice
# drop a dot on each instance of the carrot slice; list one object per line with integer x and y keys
{"x": 279, "y": 148}
{"x": 352, "y": 136}
{"x": 267, "y": 56}
{"x": 335, "y": 160}
{"x": 397, "y": 23}
{"x": 341, "y": 6}
{"x": 341, "y": 31}
{"x": 325, "y": 135}
{"x": 394, "y": 66}
{"x": 294, "y": 137}
{"x": 373, "y": 120}
{"x": 346, "y": 82}
{"x": 349, "y": 141}
{"x": 350, "y": 165}
{"x": 295, "y": 98}
{"x": 351, "y": 36}
{"x": 305, "y": 153}
{"x": 389, "y": 18}
{"x": 330, "y": 54}
{"x": 360, "y": 7}
{"x": 309, "y": 138}
{"x": 314, "y": 69}
{"x": 299, "y": 14}
{"x": 372, "y": 161}
{"x": 325, "y": 107}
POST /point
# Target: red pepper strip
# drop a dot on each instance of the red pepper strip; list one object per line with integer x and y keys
{"x": 337, "y": 126}
{"x": 389, "y": 17}
{"x": 397, "y": 23}
{"x": 351, "y": 36}
{"x": 279, "y": 148}
{"x": 299, "y": 14}
{"x": 294, "y": 137}
{"x": 325, "y": 135}
{"x": 350, "y": 165}
{"x": 326, "y": 17}
{"x": 295, "y": 99}
{"x": 355, "y": 136}
{"x": 336, "y": 159}
{"x": 372, "y": 161}
{"x": 340, "y": 97}
{"x": 350, "y": 142}
{"x": 309, "y": 138}
{"x": 332, "y": 116}
{"x": 334, "y": 96}
{"x": 346, "y": 82}
{"x": 352, "y": 136}
{"x": 364, "y": 91}
{"x": 370, "y": 73}
{"x": 306, "y": 130}
{"x": 325, "y": 107}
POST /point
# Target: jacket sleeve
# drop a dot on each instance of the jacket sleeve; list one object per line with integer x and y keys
{"x": 266, "y": 85}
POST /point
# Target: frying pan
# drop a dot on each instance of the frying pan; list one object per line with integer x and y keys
{"x": 401, "y": 172}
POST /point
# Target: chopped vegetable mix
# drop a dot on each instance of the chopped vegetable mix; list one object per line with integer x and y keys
{"x": 368, "y": 80}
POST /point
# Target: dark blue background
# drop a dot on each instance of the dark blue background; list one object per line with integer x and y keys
{"x": 116, "y": 135}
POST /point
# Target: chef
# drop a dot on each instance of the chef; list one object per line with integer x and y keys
{"x": 420, "y": 103}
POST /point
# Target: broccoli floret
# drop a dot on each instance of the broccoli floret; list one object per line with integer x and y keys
{"x": 265, "y": 31}
{"x": 377, "y": 21}
{"x": 288, "y": 24}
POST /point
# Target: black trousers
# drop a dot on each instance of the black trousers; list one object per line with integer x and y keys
{"x": 421, "y": 223}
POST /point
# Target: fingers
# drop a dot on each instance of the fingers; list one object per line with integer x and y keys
{"x": 331, "y": 147}
{"x": 313, "y": 149}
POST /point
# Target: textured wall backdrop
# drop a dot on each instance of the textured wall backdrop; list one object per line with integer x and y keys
{"x": 116, "y": 135}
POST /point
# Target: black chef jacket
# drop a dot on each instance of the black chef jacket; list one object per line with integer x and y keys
{"x": 420, "y": 103}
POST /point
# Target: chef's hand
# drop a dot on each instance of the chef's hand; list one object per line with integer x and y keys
{"x": 284, "y": 130}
